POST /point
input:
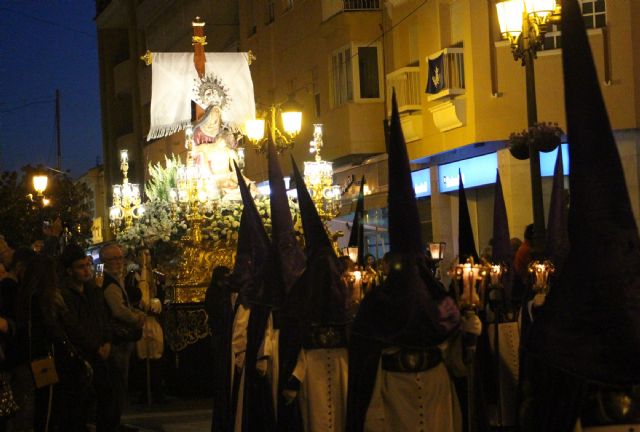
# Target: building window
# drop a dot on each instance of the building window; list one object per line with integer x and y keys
{"x": 553, "y": 39}
{"x": 271, "y": 11}
{"x": 316, "y": 91}
{"x": 355, "y": 74}
{"x": 342, "y": 76}
{"x": 369, "y": 73}
{"x": 593, "y": 13}
{"x": 253, "y": 22}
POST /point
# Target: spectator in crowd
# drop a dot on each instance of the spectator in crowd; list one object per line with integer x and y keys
{"x": 515, "y": 245}
{"x": 121, "y": 310}
{"x": 521, "y": 265}
{"x": 385, "y": 266}
{"x": 85, "y": 368}
{"x": 14, "y": 262}
{"x": 39, "y": 313}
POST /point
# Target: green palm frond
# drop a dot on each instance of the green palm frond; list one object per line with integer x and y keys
{"x": 162, "y": 178}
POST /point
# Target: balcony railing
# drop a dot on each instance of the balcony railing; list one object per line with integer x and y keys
{"x": 406, "y": 82}
{"x": 445, "y": 73}
{"x": 334, "y": 7}
{"x": 355, "y": 5}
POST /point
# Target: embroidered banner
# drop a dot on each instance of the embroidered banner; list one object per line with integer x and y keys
{"x": 436, "y": 79}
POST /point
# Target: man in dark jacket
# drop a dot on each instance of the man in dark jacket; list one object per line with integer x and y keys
{"x": 87, "y": 329}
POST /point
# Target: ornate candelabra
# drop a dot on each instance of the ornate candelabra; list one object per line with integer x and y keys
{"x": 318, "y": 175}
{"x": 127, "y": 203}
{"x": 197, "y": 194}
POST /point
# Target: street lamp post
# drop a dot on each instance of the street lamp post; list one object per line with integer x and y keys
{"x": 40, "y": 182}
{"x": 291, "y": 117}
{"x": 524, "y": 23}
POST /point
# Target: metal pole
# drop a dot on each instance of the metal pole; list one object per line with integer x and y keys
{"x": 534, "y": 156}
{"x": 198, "y": 42}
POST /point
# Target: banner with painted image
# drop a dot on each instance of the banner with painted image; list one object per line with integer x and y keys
{"x": 226, "y": 84}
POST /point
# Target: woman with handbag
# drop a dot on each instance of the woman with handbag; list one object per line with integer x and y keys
{"x": 38, "y": 311}
{"x": 9, "y": 287}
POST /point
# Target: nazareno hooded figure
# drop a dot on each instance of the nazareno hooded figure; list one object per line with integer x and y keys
{"x": 255, "y": 410}
{"x": 584, "y": 344}
{"x": 397, "y": 378}
{"x": 287, "y": 266}
{"x": 220, "y": 305}
{"x": 313, "y": 344}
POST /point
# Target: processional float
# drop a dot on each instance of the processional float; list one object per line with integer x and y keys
{"x": 192, "y": 214}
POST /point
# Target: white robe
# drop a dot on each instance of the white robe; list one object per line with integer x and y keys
{"x": 323, "y": 390}
{"x": 267, "y": 357}
{"x": 414, "y": 401}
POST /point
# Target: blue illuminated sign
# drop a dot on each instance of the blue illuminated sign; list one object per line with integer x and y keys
{"x": 476, "y": 171}
{"x": 421, "y": 182}
{"x": 548, "y": 161}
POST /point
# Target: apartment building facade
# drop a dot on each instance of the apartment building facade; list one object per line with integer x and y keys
{"x": 484, "y": 100}
{"x": 340, "y": 59}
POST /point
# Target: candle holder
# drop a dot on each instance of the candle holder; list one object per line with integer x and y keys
{"x": 540, "y": 272}
{"x": 470, "y": 280}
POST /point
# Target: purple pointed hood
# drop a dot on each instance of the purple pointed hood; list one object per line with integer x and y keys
{"x": 501, "y": 247}
{"x": 288, "y": 253}
{"x": 319, "y": 296}
{"x": 557, "y": 244}
{"x": 356, "y": 238}
{"x": 408, "y": 310}
{"x": 590, "y": 325}
{"x": 253, "y": 253}
{"x": 466, "y": 243}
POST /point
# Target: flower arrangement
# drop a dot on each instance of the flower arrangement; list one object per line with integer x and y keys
{"x": 225, "y": 223}
{"x": 155, "y": 225}
{"x": 544, "y": 136}
{"x": 166, "y": 222}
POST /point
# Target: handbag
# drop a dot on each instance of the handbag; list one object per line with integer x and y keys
{"x": 44, "y": 372}
{"x": 43, "y": 369}
{"x": 124, "y": 332}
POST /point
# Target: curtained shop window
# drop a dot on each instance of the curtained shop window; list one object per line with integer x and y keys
{"x": 355, "y": 74}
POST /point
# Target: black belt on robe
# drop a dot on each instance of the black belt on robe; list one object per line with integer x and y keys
{"x": 411, "y": 360}
{"x": 325, "y": 337}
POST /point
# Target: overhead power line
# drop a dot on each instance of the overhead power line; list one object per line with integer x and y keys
{"x": 28, "y": 104}
{"x": 45, "y": 21}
